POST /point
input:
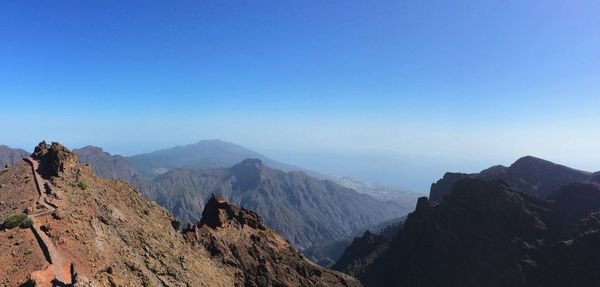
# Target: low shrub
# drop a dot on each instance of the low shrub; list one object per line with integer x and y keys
{"x": 27, "y": 223}
{"x": 14, "y": 220}
{"x": 82, "y": 185}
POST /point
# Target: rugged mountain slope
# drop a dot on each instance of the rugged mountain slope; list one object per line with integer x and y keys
{"x": 10, "y": 156}
{"x": 531, "y": 175}
{"x": 488, "y": 234}
{"x": 361, "y": 252}
{"x": 81, "y": 230}
{"x": 326, "y": 254}
{"x": 184, "y": 191}
{"x": 106, "y": 165}
{"x": 110, "y": 234}
{"x": 263, "y": 257}
{"x": 303, "y": 209}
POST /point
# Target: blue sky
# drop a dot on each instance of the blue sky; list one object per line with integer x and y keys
{"x": 412, "y": 87}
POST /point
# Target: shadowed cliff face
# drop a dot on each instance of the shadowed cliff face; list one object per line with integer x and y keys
{"x": 488, "y": 234}
{"x": 530, "y": 175}
{"x": 237, "y": 237}
{"x": 361, "y": 252}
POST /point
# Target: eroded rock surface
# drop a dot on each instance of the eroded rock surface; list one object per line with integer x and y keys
{"x": 238, "y": 238}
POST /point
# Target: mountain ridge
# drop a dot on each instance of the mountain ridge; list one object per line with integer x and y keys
{"x": 486, "y": 231}
{"x": 187, "y": 203}
{"x": 532, "y": 175}
{"x": 293, "y": 203}
{"x": 152, "y": 166}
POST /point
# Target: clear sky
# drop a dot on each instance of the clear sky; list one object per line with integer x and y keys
{"x": 381, "y": 89}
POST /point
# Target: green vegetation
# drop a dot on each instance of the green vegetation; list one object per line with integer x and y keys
{"x": 15, "y": 220}
{"x": 27, "y": 223}
{"x": 40, "y": 206}
{"x": 28, "y": 251}
{"x": 82, "y": 185}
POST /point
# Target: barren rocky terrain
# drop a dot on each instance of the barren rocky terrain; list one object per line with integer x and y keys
{"x": 89, "y": 231}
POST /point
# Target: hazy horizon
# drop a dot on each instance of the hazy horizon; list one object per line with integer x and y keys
{"x": 409, "y": 172}
{"x": 391, "y": 91}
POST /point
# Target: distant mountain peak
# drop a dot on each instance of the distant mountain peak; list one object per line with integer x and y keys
{"x": 529, "y": 174}
{"x": 92, "y": 147}
{"x": 531, "y": 160}
{"x": 248, "y": 173}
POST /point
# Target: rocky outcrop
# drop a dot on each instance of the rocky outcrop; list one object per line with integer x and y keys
{"x": 528, "y": 174}
{"x": 236, "y": 237}
{"x": 218, "y": 213}
{"x": 485, "y": 233}
{"x": 55, "y": 160}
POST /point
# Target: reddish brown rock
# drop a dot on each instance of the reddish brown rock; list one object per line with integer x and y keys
{"x": 237, "y": 237}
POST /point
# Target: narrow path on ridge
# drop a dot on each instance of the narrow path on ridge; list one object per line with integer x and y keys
{"x": 58, "y": 272}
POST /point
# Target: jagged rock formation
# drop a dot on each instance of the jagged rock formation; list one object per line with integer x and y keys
{"x": 484, "y": 233}
{"x": 111, "y": 234}
{"x": 10, "y": 156}
{"x": 238, "y": 238}
{"x": 55, "y": 160}
{"x": 303, "y": 209}
{"x": 531, "y": 175}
